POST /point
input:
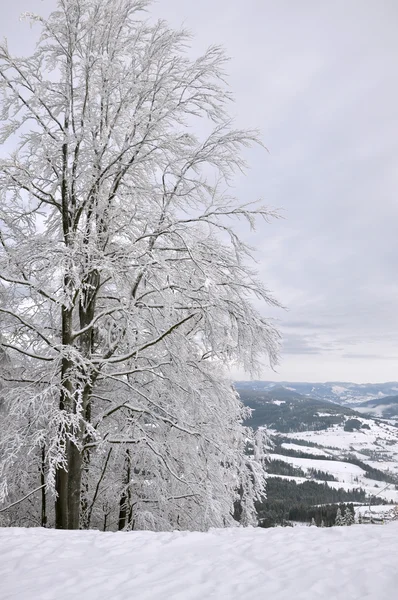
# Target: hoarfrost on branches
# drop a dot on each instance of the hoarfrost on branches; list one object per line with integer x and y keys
{"x": 124, "y": 285}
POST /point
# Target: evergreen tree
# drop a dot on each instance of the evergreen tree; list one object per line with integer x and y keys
{"x": 349, "y": 518}
{"x": 339, "y": 518}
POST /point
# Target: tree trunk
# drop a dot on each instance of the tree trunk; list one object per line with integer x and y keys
{"x": 125, "y": 509}
{"x": 61, "y": 502}
{"x": 75, "y": 464}
{"x": 43, "y": 490}
{"x": 122, "y": 512}
{"x": 75, "y": 453}
{"x": 62, "y": 508}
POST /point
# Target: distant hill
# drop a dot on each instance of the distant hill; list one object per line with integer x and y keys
{"x": 285, "y": 410}
{"x": 346, "y": 393}
{"x": 386, "y": 407}
{"x": 320, "y": 452}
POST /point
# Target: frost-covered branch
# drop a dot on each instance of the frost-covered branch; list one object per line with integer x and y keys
{"x": 126, "y": 290}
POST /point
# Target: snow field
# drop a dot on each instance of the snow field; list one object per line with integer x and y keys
{"x": 304, "y": 563}
{"x": 384, "y": 490}
{"x": 383, "y": 510}
{"x": 336, "y": 437}
{"x": 348, "y": 476}
{"x": 343, "y": 471}
{"x": 305, "y": 449}
{"x": 381, "y": 440}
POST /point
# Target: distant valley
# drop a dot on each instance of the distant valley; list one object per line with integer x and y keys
{"x": 386, "y": 407}
{"x": 324, "y": 451}
{"x": 380, "y": 396}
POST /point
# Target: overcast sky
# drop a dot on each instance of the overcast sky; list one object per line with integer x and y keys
{"x": 319, "y": 78}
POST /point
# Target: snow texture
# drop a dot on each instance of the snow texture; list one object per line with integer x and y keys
{"x": 304, "y": 563}
{"x": 347, "y": 475}
{"x": 344, "y": 472}
{"x": 305, "y": 449}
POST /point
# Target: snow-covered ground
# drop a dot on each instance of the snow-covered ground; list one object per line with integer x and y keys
{"x": 376, "y": 445}
{"x": 344, "y": 472}
{"x": 377, "y": 509}
{"x": 305, "y": 449}
{"x": 304, "y": 563}
{"x": 378, "y": 436}
{"x": 348, "y": 476}
{"x": 380, "y": 489}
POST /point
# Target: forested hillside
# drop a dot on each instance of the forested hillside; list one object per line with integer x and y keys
{"x": 287, "y": 411}
{"x": 321, "y": 455}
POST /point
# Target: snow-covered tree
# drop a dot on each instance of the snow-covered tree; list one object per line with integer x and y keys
{"x": 339, "y": 518}
{"x": 349, "y": 518}
{"x": 125, "y": 287}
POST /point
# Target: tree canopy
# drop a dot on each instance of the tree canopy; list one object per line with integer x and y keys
{"x": 125, "y": 288}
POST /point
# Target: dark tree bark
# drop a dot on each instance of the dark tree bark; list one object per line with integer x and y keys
{"x": 43, "y": 490}
{"x": 62, "y": 475}
{"x": 125, "y": 509}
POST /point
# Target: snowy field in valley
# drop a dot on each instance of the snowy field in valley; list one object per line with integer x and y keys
{"x": 348, "y": 476}
{"x": 381, "y": 510}
{"x": 306, "y": 449}
{"x": 344, "y": 472}
{"x": 376, "y": 446}
{"x": 304, "y": 563}
{"x": 380, "y": 436}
